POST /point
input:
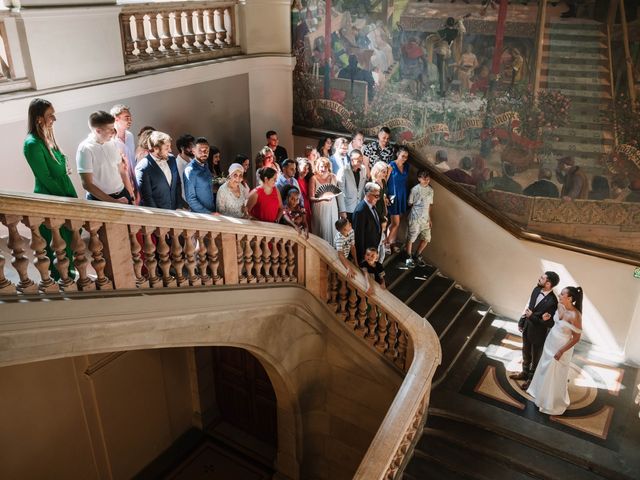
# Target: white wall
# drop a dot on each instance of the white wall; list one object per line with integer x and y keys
{"x": 503, "y": 269}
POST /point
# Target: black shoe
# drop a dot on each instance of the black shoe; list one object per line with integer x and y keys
{"x": 518, "y": 376}
{"x": 525, "y": 385}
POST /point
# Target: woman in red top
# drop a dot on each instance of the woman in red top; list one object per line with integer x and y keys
{"x": 264, "y": 203}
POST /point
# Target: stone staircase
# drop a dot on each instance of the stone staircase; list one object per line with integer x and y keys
{"x": 455, "y": 314}
{"x": 576, "y": 62}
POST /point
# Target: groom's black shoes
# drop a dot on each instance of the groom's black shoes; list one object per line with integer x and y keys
{"x": 518, "y": 376}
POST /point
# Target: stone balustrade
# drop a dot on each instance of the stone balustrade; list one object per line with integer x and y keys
{"x": 117, "y": 247}
{"x": 163, "y": 34}
{"x": 12, "y": 72}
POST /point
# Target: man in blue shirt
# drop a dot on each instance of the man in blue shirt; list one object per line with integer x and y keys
{"x": 287, "y": 177}
{"x": 198, "y": 181}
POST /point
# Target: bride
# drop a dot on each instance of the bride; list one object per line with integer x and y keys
{"x": 549, "y": 386}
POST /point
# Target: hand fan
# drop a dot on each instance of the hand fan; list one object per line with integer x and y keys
{"x": 327, "y": 190}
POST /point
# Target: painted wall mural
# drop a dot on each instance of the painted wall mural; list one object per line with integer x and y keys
{"x": 556, "y": 162}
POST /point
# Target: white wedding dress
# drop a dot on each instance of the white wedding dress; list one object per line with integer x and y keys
{"x": 549, "y": 386}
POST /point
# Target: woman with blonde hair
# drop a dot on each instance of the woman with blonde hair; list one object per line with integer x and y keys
{"x": 50, "y": 168}
{"x": 380, "y": 174}
{"x": 266, "y": 159}
{"x": 324, "y": 206}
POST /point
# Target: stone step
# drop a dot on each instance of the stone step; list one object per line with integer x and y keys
{"x": 571, "y": 75}
{"x": 571, "y": 68}
{"x": 521, "y": 456}
{"x": 591, "y": 84}
{"x": 585, "y": 96}
{"x": 575, "y": 46}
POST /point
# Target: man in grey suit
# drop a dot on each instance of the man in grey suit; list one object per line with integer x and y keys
{"x": 351, "y": 180}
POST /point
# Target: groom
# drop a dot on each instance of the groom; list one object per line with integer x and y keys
{"x": 534, "y": 329}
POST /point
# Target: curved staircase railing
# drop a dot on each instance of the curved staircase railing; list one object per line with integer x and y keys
{"x": 126, "y": 248}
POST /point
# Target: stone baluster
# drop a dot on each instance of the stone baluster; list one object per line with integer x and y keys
{"x": 213, "y": 255}
{"x": 217, "y": 25}
{"x": 164, "y": 258}
{"x": 361, "y": 316}
{"x": 372, "y": 323}
{"x": 291, "y": 261}
{"x": 141, "y": 38}
{"x": 242, "y": 275}
{"x": 190, "y": 239}
{"x": 353, "y": 308}
{"x": 58, "y": 245}
{"x": 228, "y": 25}
{"x": 41, "y": 261}
{"x": 164, "y": 34}
{"x": 275, "y": 261}
{"x": 198, "y": 33}
{"x": 392, "y": 351}
{"x": 175, "y": 23}
{"x": 6, "y": 287}
{"x": 20, "y": 261}
{"x": 136, "y": 257}
{"x": 98, "y": 263}
{"x": 266, "y": 260}
{"x": 150, "y": 260}
{"x": 129, "y": 39}
{"x": 257, "y": 259}
{"x": 153, "y": 42}
{"x": 381, "y": 344}
{"x": 403, "y": 343}
{"x": 205, "y": 278}
{"x": 248, "y": 260}
{"x": 187, "y": 34}
{"x": 209, "y": 31}
{"x": 80, "y": 259}
{"x": 177, "y": 259}
{"x": 283, "y": 260}
{"x": 333, "y": 290}
{"x": 343, "y": 296}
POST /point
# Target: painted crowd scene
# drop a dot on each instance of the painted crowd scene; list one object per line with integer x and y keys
{"x": 539, "y": 121}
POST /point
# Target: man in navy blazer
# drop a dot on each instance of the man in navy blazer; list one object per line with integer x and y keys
{"x": 157, "y": 175}
{"x": 366, "y": 222}
{"x": 534, "y": 327}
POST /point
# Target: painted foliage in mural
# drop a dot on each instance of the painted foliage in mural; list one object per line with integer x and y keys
{"x": 551, "y": 158}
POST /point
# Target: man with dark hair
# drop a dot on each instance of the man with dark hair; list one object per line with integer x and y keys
{"x": 366, "y": 222}
{"x": 279, "y": 151}
{"x": 184, "y": 144}
{"x": 535, "y": 327}
{"x": 288, "y": 177}
{"x": 543, "y": 187}
{"x": 101, "y": 164}
{"x": 353, "y": 72}
{"x": 462, "y": 173}
{"x": 381, "y": 149}
{"x": 198, "y": 180}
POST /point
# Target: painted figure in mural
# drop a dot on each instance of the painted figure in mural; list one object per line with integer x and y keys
{"x": 573, "y": 9}
{"x": 517, "y": 67}
{"x": 535, "y": 323}
{"x": 599, "y": 188}
{"x": 506, "y": 183}
{"x": 543, "y": 187}
{"x": 481, "y": 82}
{"x": 466, "y": 68}
{"x": 462, "y": 173}
{"x": 442, "y": 161}
{"x": 353, "y": 72}
{"x": 452, "y": 30}
{"x": 382, "y": 52}
{"x": 573, "y": 179}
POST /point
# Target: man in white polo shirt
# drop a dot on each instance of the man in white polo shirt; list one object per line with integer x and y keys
{"x": 101, "y": 164}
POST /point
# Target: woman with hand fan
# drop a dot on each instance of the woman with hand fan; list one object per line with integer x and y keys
{"x": 324, "y": 195}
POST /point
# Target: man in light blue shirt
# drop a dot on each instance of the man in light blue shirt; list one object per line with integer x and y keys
{"x": 287, "y": 177}
{"x": 198, "y": 181}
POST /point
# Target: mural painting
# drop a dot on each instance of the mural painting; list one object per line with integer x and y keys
{"x": 453, "y": 77}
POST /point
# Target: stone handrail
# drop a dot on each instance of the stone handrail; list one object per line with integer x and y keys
{"x": 12, "y": 72}
{"x": 173, "y": 33}
{"x": 133, "y": 248}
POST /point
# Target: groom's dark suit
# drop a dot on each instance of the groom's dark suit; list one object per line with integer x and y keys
{"x": 366, "y": 228}
{"x": 535, "y": 329}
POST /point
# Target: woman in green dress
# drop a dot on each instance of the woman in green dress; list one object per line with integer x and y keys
{"x": 49, "y": 166}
